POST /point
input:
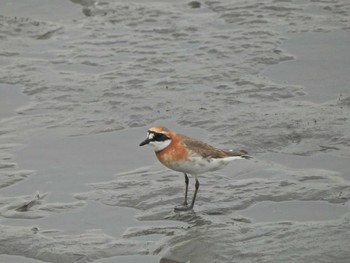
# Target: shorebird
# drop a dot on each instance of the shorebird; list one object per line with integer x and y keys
{"x": 189, "y": 156}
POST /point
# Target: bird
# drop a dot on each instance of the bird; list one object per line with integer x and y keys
{"x": 188, "y": 156}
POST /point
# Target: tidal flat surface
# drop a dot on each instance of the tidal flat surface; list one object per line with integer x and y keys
{"x": 80, "y": 83}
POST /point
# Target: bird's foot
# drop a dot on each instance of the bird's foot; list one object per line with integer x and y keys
{"x": 182, "y": 208}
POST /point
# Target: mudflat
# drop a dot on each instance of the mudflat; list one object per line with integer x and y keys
{"x": 82, "y": 81}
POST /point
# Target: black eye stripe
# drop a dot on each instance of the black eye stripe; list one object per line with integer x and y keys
{"x": 159, "y": 137}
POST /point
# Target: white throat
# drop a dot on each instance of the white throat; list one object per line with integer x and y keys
{"x": 158, "y": 146}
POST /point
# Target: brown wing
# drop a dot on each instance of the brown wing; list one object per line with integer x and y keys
{"x": 207, "y": 150}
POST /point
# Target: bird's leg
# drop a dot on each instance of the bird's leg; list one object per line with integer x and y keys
{"x": 186, "y": 190}
{"x": 185, "y": 206}
{"x": 195, "y": 193}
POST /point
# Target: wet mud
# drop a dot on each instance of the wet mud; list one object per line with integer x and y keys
{"x": 81, "y": 82}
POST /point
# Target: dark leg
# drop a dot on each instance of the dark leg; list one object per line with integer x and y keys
{"x": 186, "y": 182}
{"x": 185, "y": 206}
{"x": 195, "y": 193}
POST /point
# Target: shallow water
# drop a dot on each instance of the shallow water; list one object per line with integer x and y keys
{"x": 321, "y": 65}
{"x": 295, "y": 211}
{"x": 11, "y": 99}
{"x": 80, "y": 84}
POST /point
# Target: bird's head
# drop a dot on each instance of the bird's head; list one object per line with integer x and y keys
{"x": 158, "y": 137}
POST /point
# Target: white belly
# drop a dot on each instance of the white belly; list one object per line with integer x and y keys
{"x": 198, "y": 165}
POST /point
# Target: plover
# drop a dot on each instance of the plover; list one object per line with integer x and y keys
{"x": 189, "y": 156}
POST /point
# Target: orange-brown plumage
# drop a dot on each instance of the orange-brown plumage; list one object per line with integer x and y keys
{"x": 187, "y": 155}
{"x": 175, "y": 152}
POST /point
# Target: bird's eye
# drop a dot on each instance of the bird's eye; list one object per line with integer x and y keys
{"x": 160, "y": 137}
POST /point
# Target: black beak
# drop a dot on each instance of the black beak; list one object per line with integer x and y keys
{"x": 145, "y": 142}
